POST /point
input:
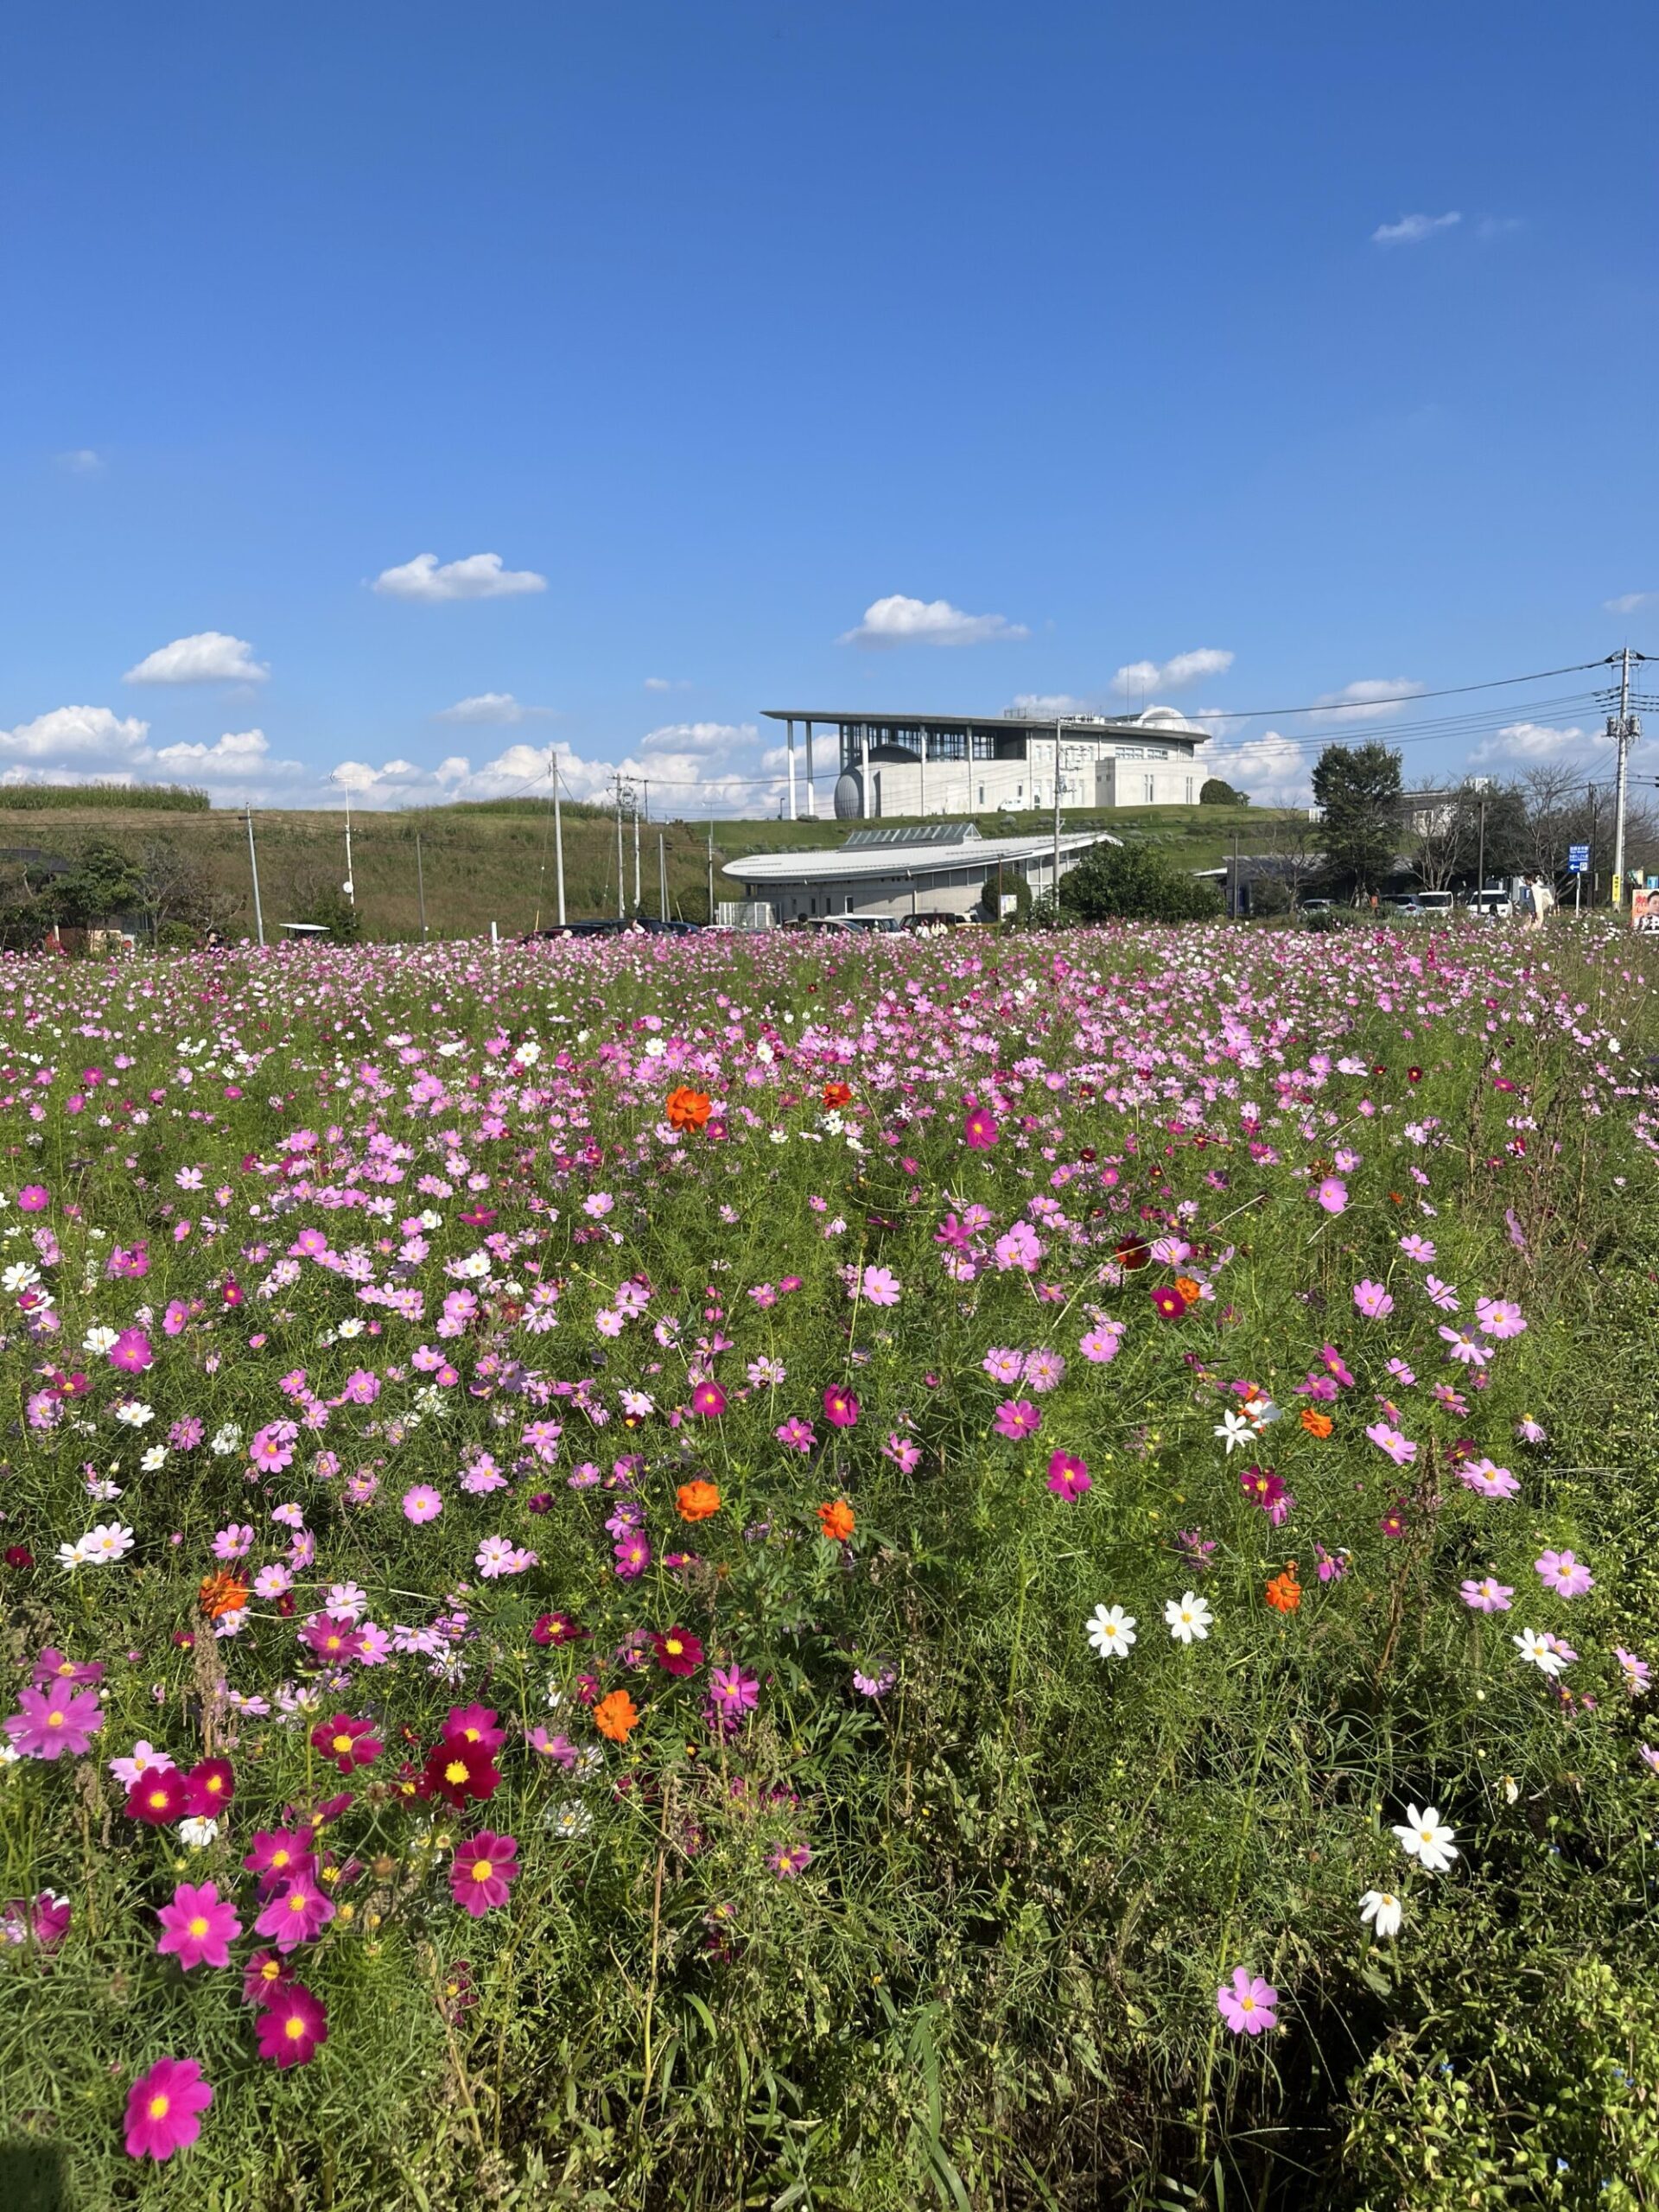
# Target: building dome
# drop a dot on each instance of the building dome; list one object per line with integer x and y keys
{"x": 850, "y": 796}
{"x": 1170, "y": 718}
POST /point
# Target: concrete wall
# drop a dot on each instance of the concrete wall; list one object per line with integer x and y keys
{"x": 957, "y": 890}
{"x": 1091, "y": 778}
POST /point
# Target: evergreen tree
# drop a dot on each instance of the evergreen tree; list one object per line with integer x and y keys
{"x": 1358, "y": 787}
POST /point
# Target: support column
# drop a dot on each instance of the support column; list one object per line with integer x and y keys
{"x": 811, "y": 787}
{"x": 789, "y": 727}
{"x": 864, "y": 769}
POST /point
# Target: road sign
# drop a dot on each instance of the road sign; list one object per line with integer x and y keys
{"x": 1578, "y": 860}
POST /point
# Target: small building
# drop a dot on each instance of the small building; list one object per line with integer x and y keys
{"x": 890, "y": 874}
{"x": 918, "y": 764}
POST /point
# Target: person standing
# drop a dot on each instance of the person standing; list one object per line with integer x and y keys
{"x": 1543, "y": 900}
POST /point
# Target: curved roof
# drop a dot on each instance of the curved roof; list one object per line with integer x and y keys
{"x": 806, "y": 864}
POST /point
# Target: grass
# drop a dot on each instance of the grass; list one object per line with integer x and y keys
{"x": 992, "y": 1983}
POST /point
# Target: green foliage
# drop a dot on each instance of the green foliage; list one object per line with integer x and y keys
{"x": 1135, "y": 883}
{"x": 1358, "y": 788}
{"x": 157, "y": 798}
{"x": 1214, "y": 793}
{"x": 104, "y": 881}
{"x": 338, "y": 914}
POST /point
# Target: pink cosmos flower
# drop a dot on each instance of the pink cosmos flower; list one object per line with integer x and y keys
{"x": 44, "y": 1920}
{"x": 1373, "y": 1301}
{"x": 1443, "y": 1295}
{"x": 881, "y": 1286}
{"x": 1003, "y": 1365}
{"x": 1021, "y": 1247}
{"x": 292, "y": 2023}
{"x": 1499, "y": 1317}
{"x": 422, "y": 1504}
{"x": 1487, "y": 1480}
{"x": 796, "y": 1434}
{"x": 1417, "y": 1248}
{"x": 1399, "y": 1449}
{"x": 131, "y": 1352}
{"x": 1488, "y": 1595}
{"x": 786, "y": 1860}
{"x": 1044, "y": 1370}
{"x": 839, "y": 1407}
{"x": 298, "y": 1912}
{"x": 1332, "y": 1193}
{"x": 1561, "y": 1571}
{"x": 1068, "y": 1476}
{"x": 979, "y": 1132}
{"x": 708, "y": 1400}
{"x": 55, "y": 1723}
{"x": 1247, "y": 2005}
{"x": 904, "y": 1455}
{"x": 52, "y": 1665}
{"x": 1637, "y": 1672}
{"x": 164, "y": 2106}
{"x": 200, "y": 1926}
{"x": 482, "y": 1871}
{"x": 1017, "y": 1418}
{"x": 1465, "y": 1347}
{"x": 1102, "y": 1342}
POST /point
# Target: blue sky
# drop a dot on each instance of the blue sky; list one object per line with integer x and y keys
{"x": 1070, "y": 339}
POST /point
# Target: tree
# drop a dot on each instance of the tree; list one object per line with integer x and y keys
{"x": 103, "y": 882}
{"x": 1217, "y": 793}
{"x": 180, "y": 896}
{"x": 1358, "y": 789}
{"x": 1133, "y": 883}
{"x": 1297, "y": 848}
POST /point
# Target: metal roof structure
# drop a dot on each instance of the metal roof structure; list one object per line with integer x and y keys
{"x": 1007, "y": 723}
{"x": 925, "y": 833}
{"x": 855, "y": 859}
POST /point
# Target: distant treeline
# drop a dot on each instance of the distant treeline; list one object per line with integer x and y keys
{"x": 574, "y": 809}
{"x": 154, "y": 799}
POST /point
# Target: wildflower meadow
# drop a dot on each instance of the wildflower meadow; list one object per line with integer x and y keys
{"x": 1008, "y": 1571}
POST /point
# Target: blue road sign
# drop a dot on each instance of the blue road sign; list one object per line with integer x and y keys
{"x": 1578, "y": 860}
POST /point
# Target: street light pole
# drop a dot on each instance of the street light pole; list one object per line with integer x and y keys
{"x": 253, "y": 865}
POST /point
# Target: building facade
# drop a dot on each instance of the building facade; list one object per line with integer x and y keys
{"x": 918, "y": 764}
{"x": 891, "y": 874}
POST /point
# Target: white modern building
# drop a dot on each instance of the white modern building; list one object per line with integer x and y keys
{"x": 889, "y": 874}
{"x": 918, "y": 764}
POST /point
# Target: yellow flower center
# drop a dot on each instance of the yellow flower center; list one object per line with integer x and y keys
{"x": 198, "y": 1926}
{"x": 1247, "y": 2004}
{"x": 293, "y": 2028}
{"x": 455, "y": 1772}
{"x": 673, "y": 1647}
{"x": 482, "y": 1869}
{"x": 54, "y": 1720}
{"x": 342, "y": 1745}
{"x": 297, "y": 1902}
{"x": 159, "y": 2106}
{"x": 279, "y": 1858}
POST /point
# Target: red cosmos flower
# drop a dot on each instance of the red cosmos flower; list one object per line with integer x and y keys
{"x": 1168, "y": 1301}
{"x": 678, "y": 1652}
{"x": 1413, "y": 1075}
{"x": 208, "y": 1788}
{"x": 837, "y": 1094}
{"x": 292, "y": 2023}
{"x": 558, "y": 1628}
{"x": 158, "y": 1797}
{"x": 1132, "y": 1253}
{"x": 349, "y": 1742}
{"x": 456, "y": 1770}
{"x": 474, "y": 1723}
{"x": 264, "y": 1973}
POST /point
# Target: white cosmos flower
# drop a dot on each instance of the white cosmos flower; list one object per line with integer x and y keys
{"x": 1235, "y": 1430}
{"x": 1425, "y": 1837}
{"x": 98, "y": 1339}
{"x": 133, "y": 1413}
{"x": 155, "y": 1458}
{"x": 1188, "y": 1616}
{"x": 19, "y": 1276}
{"x": 1383, "y": 1910}
{"x": 1111, "y": 1631}
{"x": 1538, "y": 1652}
{"x": 199, "y": 1831}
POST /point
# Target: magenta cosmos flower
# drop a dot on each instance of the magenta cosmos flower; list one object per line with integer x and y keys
{"x": 1068, "y": 1476}
{"x": 1247, "y": 2002}
{"x": 164, "y": 2108}
{"x": 1016, "y": 1418}
{"x": 131, "y": 1352}
{"x": 484, "y": 1868}
{"x": 1564, "y": 1573}
{"x": 298, "y": 1912}
{"x": 349, "y": 1742}
{"x": 292, "y": 2023}
{"x": 980, "y": 1131}
{"x": 839, "y": 1407}
{"x": 55, "y": 1722}
{"x": 708, "y": 1400}
{"x": 34, "y": 1197}
{"x": 200, "y": 1926}
{"x": 1332, "y": 1193}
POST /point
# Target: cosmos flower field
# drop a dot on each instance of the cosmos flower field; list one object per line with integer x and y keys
{"x": 730, "y": 1572}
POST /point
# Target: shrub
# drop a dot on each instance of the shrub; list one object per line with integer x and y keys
{"x": 1132, "y": 883}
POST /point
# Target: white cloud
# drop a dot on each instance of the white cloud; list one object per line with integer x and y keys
{"x": 689, "y": 782}
{"x": 75, "y": 745}
{"x": 210, "y": 657}
{"x": 1373, "y": 698}
{"x": 1528, "y": 741}
{"x": 89, "y": 737}
{"x": 900, "y": 621}
{"x": 492, "y": 707}
{"x": 241, "y": 757}
{"x": 710, "y": 738}
{"x": 1498, "y": 226}
{"x": 1036, "y": 703}
{"x": 480, "y": 575}
{"x": 668, "y": 684}
{"x": 1273, "y": 770}
{"x": 1143, "y": 676}
{"x": 1412, "y": 230}
{"x": 82, "y": 461}
{"x": 1630, "y": 601}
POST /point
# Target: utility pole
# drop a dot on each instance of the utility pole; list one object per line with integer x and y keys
{"x": 711, "y": 869}
{"x": 1628, "y": 729}
{"x": 636, "y": 855}
{"x": 662, "y": 875}
{"x": 1480, "y": 863}
{"x": 1057, "y": 819}
{"x": 420, "y": 884}
{"x": 621, "y": 881}
{"x": 253, "y": 864}
{"x": 349, "y": 887}
{"x": 1235, "y": 898}
{"x": 1595, "y": 861}
{"x": 558, "y": 842}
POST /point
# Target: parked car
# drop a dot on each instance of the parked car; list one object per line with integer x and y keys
{"x": 940, "y": 920}
{"x": 1436, "y": 902}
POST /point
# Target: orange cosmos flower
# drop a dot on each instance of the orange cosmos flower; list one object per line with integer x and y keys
{"x": 1285, "y": 1592}
{"x": 697, "y": 1500}
{"x": 616, "y": 1716}
{"x": 1189, "y": 1288}
{"x": 837, "y": 1094}
{"x": 220, "y": 1595}
{"x": 837, "y": 1520}
{"x": 687, "y": 1108}
{"x": 1317, "y": 1424}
